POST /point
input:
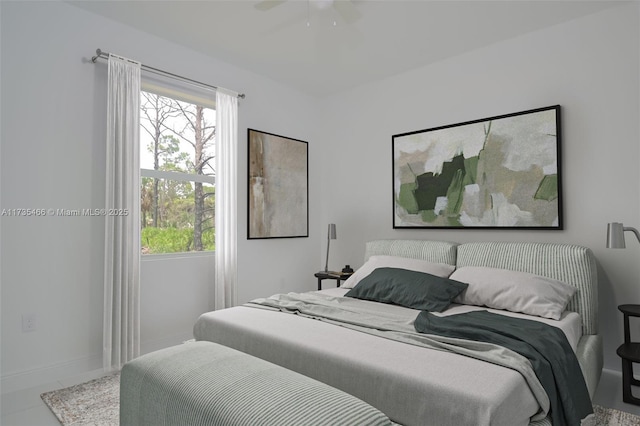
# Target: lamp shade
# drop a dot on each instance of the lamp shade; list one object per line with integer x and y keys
{"x": 332, "y": 231}
{"x": 331, "y": 235}
{"x": 615, "y": 235}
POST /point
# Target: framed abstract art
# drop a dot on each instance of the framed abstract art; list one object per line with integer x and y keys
{"x": 278, "y": 186}
{"x": 496, "y": 172}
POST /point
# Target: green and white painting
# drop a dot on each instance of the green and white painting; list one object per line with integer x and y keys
{"x": 498, "y": 172}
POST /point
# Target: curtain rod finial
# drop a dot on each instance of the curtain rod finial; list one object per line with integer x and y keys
{"x": 95, "y": 58}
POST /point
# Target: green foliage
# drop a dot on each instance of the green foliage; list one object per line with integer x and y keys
{"x": 173, "y": 240}
{"x": 175, "y": 231}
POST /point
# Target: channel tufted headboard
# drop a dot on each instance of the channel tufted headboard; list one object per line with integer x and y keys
{"x": 568, "y": 263}
{"x": 432, "y": 251}
{"x": 571, "y": 264}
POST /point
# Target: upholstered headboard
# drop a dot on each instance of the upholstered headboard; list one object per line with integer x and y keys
{"x": 571, "y": 264}
{"x": 432, "y": 251}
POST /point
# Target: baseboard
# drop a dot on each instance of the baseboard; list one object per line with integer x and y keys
{"x": 14, "y": 382}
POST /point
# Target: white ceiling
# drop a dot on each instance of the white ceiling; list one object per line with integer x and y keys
{"x": 386, "y": 38}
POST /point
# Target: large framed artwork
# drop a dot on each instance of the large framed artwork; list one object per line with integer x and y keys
{"x": 278, "y": 186}
{"x": 497, "y": 172}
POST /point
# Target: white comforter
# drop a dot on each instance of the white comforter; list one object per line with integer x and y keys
{"x": 411, "y": 384}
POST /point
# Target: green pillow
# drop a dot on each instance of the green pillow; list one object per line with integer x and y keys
{"x": 411, "y": 289}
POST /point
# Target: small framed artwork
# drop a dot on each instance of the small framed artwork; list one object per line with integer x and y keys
{"x": 496, "y": 172}
{"x": 278, "y": 186}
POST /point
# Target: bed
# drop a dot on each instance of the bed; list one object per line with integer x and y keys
{"x": 411, "y": 383}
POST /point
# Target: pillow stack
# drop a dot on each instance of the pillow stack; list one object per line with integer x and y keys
{"x": 419, "y": 284}
{"x": 374, "y": 262}
{"x": 411, "y": 283}
{"x": 514, "y": 291}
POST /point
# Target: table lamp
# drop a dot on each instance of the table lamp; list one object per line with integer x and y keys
{"x": 331, "y": 235}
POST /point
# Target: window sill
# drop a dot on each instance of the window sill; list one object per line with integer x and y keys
{"x": 169, "y": 256}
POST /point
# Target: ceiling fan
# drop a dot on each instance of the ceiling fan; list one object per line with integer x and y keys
{"x": 345, "y": 8}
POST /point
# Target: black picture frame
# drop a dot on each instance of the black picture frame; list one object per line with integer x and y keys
{"x": 277, "y": 186}
{"x": 501, "y": 172}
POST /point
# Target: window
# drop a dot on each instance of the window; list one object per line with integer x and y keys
{"x": 177, "y": 194}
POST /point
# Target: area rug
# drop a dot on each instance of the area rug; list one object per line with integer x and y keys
{"x": 611, "y": 417}
{"x": 97, "y": 403}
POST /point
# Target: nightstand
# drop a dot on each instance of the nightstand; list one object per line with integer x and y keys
{"x": 630, "y": 353}
{"x": 330, "y": 276}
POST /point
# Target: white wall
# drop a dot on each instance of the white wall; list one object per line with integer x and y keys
{"x": 52, "y": 132}
{"x": 53, "y": 266}
{"x": 589, "y": 66}
{"x": 173, "y": 293}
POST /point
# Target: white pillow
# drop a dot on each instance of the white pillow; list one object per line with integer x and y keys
{"x": 439, "y": 269}
{"x": 513, "y": 291}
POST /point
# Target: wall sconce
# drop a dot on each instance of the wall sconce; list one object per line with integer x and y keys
{"x": 331, "y": 235}
{"x": 615, "y": 234}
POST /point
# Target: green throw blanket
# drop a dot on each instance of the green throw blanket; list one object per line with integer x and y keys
{"x": 545, "y": 346}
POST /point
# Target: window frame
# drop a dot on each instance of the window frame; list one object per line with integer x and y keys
{"x": 198, "y": 96}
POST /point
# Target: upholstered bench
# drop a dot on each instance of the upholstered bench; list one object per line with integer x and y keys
{"x": 203, "y": 383}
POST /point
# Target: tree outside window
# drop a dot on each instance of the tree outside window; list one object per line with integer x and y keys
{"x": 177, "y": 145}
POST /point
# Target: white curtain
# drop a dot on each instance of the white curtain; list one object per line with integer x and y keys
{"x": 226, "y": 198}
{"x": 121, "y": 332}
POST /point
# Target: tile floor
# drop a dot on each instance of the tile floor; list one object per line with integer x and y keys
{"x": 25, "y": 407}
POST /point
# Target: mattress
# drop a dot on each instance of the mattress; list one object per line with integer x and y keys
{"x": 410, "y": 384}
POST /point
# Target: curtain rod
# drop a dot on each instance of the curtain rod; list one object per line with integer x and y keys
{"x": 105, "y": 55}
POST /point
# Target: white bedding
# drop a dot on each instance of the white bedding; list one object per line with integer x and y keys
{"x": 410, "y": 384}
{"x": 570, "y": 322}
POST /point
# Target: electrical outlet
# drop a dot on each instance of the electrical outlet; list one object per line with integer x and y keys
{"x": 28, "y": 322}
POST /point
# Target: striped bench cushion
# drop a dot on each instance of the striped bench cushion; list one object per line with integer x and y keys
{"x": 203, "y": 383}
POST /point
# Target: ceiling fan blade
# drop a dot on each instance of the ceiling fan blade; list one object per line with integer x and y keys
{"x": 265, "y": 5}
{"x": 347, "y": 10}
